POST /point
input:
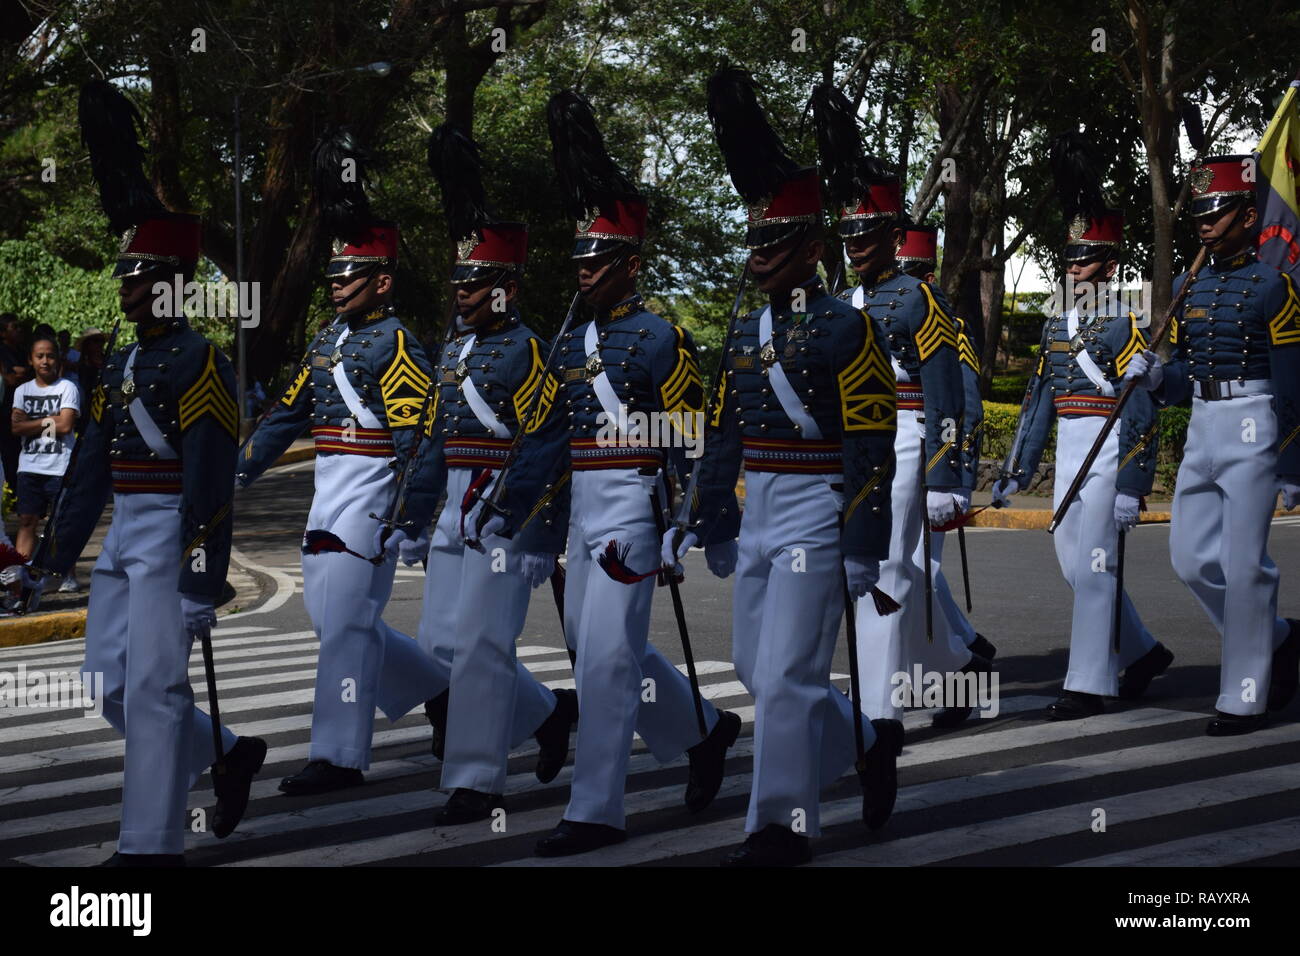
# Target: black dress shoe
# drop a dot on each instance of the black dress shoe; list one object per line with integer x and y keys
{"x": 571, "y": 837}
{"x": 878, "y": 773}
{"x": 951, "y": 717}
{"x": 553, "y": 735}
{"x": 982, "y": 647}
{"x": 231, "y": 787}
{"x": 774, "y": 845}
{"x": 1075, "y": 705}
{"x": 1286, "y": 669}
{"x": 1234, "y": 725}
{"x": 1137, "y": 677}
{"x": 466, "y": 806}
{"x": 436, "y": 712}
{"x": 708, "y": 760}
{"x": 321, "y": 776}
{"x": 145, "y": 859}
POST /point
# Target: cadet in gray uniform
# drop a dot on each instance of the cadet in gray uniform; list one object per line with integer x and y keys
{"x": 625, "y": 363}
{"x": 806, "y": 404}
{"x": 1236, "y": 356}
{"x": 475, "y": 601}
{"x": 918, "y": 257}
{"x": 161, "y": 435}
{"x": 1082, "y": 358}
{"x": 929, "y": 481}
{"x": 360, "y": 389}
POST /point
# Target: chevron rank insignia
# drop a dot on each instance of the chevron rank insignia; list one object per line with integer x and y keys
{"x": 209, "y": 396}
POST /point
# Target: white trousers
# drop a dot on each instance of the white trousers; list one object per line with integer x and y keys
{"x": 786, "y": 612}
{"x": 624, "y": 684}
{"x": 136, "y": 638}
{"x": 474, "y": 610}
{"x": 1218, "y": 539}
{"x": 890, "y": 646}
{"x": 363, "y": 662}
{"x": 1086, "y": 548}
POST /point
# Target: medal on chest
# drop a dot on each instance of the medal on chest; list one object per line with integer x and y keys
{"x": 128, "y": 387}
{"x": 795, "y": 336}
{"x": 462, "y": 371}
{"x": 594, "y": 366}
{"x": 767, "y": 355}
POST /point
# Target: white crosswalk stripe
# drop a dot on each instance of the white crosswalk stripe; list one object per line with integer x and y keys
{"x": 1013, "y": 787}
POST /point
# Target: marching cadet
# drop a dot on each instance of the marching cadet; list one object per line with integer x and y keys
{"x": 807, "y": 404}
{"x": 475, "y": 601}
{"x": 918, "y": 256}
{"x": 624, "y": 363}
{"x": 1236, "y": 355}
{"x": 161, "y": 433}
{"x": 1085, "y": 351}
{"x": 361, "y": 388}
{"x": 929, "y": 484}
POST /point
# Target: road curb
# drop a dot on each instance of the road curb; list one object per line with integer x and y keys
{"x": 40, "y": 628}
{"x": 1037, "y": 519}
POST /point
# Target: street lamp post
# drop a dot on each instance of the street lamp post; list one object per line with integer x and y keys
{"x": 380, "y": 69}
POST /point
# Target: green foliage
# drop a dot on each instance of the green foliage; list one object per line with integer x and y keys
{"x": 40, "y": 287}
{"x": 1009, "y": 389}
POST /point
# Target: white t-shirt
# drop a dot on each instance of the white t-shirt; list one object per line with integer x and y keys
{"x": 42, "y": 454}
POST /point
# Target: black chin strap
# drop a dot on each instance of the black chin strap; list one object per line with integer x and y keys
{"x": 1218, "y": 240}
{"x": 785, "y": 258}
{"x": 619, "y": 258}
{"x": 370, "y": 277}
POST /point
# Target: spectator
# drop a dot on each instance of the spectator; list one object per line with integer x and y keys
{"x": 66, "y": 352}
{"x": 13, "y": 370}
{"x": 44, "y": 418}
{"x": 83, "y": 364}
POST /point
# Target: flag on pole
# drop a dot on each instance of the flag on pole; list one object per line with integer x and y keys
{"x": 1277, "y": 186}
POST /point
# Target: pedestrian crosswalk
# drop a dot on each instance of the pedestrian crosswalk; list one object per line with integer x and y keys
{"x": 1139, "y": 785}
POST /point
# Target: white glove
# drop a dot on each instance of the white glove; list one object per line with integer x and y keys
{"x": 861, "y": 575}
{"x": 1290, "y": 494}
{"x": 940, "y": 507}
{"x": 22, "y": 574}
{"x": 386, "y": 547}
{"x": 198, "y": 612}
{"x": 1126, "y": 511}
{"x": 537, "y": 568}
{"x": 493, "y": 525}
{"x": 1003, "y": 489}
{"x": 670, "y": 559}
{"x": 1146, "y": 369}
{"x": 411, "y": 553}
{"x": 961, "y": 500}
{"x": 721, "y": 557}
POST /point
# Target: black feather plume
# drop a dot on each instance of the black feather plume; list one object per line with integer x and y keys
{"x": 848, "y": 170}
{"x": 1078, "y": 184}
{"x": 755, "y": 157}
{"x": 1192, "y": 123}
{"x": 339, "y": 185}
{"x": 588, "y": 176}
{"x": 457, "y": 165}
{"x": 108, "y": 130}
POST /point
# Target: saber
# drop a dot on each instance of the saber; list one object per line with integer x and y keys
{"x": 492, "y": 503}
{"x": 1119, "y": 589}
{"x": 557, "y": 592}
{"x": 1082, "y": 475}
{"x": 925, "y": 545}
{"x": 682, "y": 523}
{"x": 680, "y": 612}
{"x": 965, "y": 568}
{"x": 29, "y": 598}
{"x": 219, "y": 765}
{"x": 855, "y": 681}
